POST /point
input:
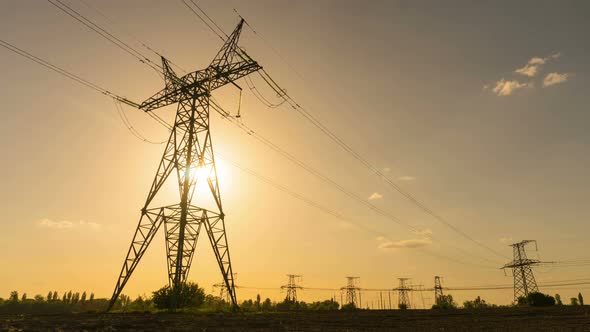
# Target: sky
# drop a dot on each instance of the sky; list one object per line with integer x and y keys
{"x": 478, "y": 109}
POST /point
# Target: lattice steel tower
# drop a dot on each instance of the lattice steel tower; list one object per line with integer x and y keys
{"x": 522, "y": 271}
{"x": 404, "y": 298}
{"x": 224, "y": 294}
{"x": 189, "y": 152}
{"x": 351, "y": 289}
{"x": 438, "y": 289}
{"x": 292, "y": 287}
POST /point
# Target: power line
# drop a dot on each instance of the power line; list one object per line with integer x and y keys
{"x": 338, "y": 186}
{"x": 282, "y": 93}
{"x": 105, "y": 34}
{"x": 308, "y": 116}
{"x": 203, "y": 20}
{"x": 132, "y": 36}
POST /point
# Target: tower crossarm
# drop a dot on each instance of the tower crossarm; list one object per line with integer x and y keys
{"x": 230, "y": 64}
{"x": 521, "y": 262}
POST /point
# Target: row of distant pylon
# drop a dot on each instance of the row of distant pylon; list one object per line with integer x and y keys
{"x": 521, "y": 265}
{"x": 350, "y": 294}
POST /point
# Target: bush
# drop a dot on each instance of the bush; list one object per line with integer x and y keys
{"x": 189, "y": 295}
{"x": 445, "y": 302}
{"x": 537, "y": 300}
{"x": 478, "y": 303}
{"x": 348, "y": 307}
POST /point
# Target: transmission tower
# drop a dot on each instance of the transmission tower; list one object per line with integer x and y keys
{"x": 224, "y": 294}
{"x": 403, "y": 289}
{"x": 189, "y": 152}
{"x": 438, "y": 289}
{"x": 292, "y": 287}
{"x": 522, "y": 271}
{"x": 351, "y": 291}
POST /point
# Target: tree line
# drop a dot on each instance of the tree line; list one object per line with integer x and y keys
{"x": 191, "y": 297}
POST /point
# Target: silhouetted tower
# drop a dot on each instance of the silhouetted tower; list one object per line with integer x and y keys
{"x": 224, "y": 294}
{"x": 438, "y": 289}
{"x": 403, "y": 289}
{"x": 351, "y": 291}
{"x": 522, "y": 271}
{"x": 188, "y": 154}
{"x": 292, "y": 287}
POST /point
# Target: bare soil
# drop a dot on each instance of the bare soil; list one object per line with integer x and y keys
{"x": 500, "y": 319}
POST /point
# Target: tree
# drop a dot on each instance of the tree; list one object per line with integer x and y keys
{"x": 574, "y": 301}
{"x": 537, "y": 299}
{"x": 39, "y": 298}
{"x": 13, "y": 296}
{"x": 580, "y": 299}
{"x": 478, "y": 303}
{"x": 83, "y": 298}
{"x": 55, "y": 296}
{"x": 49, "y": 296}
{"x": 348, "y": 307}
{"x": 24, "y": 297}
{"x": 69, "y": 297}
{"x": 188, "y": 295}
{"x": 64, "y": 298}
{"x": 91, "y": 297}
{"x": 445, "y": 302}
{"x": 266, "y": 305}
{"x": 558, "y": 299}
{"x": 258, "y": 307}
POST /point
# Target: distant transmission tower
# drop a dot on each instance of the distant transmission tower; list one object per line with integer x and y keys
{"x": 522, "y": 271}
{"x": 224, "y": 294}
{"x": 189, "y": 153}
{"x": 403, "y": 289}
{"x": 351, "y": 291}
{"x": 292, "y": 287}
{"x": 438, "y": 289}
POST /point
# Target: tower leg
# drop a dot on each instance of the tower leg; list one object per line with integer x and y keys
{"x": 215, "y": 228}
{"x": 149, "y": 223}
{"x": 192, "y": 229}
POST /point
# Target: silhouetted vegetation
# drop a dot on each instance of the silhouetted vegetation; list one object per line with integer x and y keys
{"x": 70, "y": 302}
{"x": 188, "y": 295}
{"x": 478, "y": 303}
{"x": 445, "y": 302}
{"x": 537, "y": 300}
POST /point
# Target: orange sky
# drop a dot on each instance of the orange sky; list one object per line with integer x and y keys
{"x": 439, "y": 97}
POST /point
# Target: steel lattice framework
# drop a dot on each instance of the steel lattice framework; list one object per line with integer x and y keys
{"x": 522, "y": 271}
{"x": 438, "y": 289}
{"x": 404, "y": 298}
{"x": 292, "y": 287}
{"x": 189, "y": 151}
{"x": 351, "y": 289}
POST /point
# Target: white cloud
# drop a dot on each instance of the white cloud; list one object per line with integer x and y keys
{"x": 406, "y": 178}
{"x": 533, "y": 66}
{"x": 555, "y": 78}
{"x": 375, "y": 195}
{"x": 425, "y": 232}
{"x": 65, "y": 224}
{"x": 506, "y": 239}
{"x": 506, "y": 88}
{"x": 410, "y": 243}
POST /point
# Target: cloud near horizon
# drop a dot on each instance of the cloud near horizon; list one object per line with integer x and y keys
{"x": 533, "y": 66}
{"x": 410, "y": 243}
{"x": 406, "y": 178}
{"x": 65, "y": 224}
{"x": 506, "y": 88}
{"x": 375, "y": 195}
{"x": 555, "y": 78}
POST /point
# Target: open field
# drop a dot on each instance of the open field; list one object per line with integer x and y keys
{"x": 502, "y": 319}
